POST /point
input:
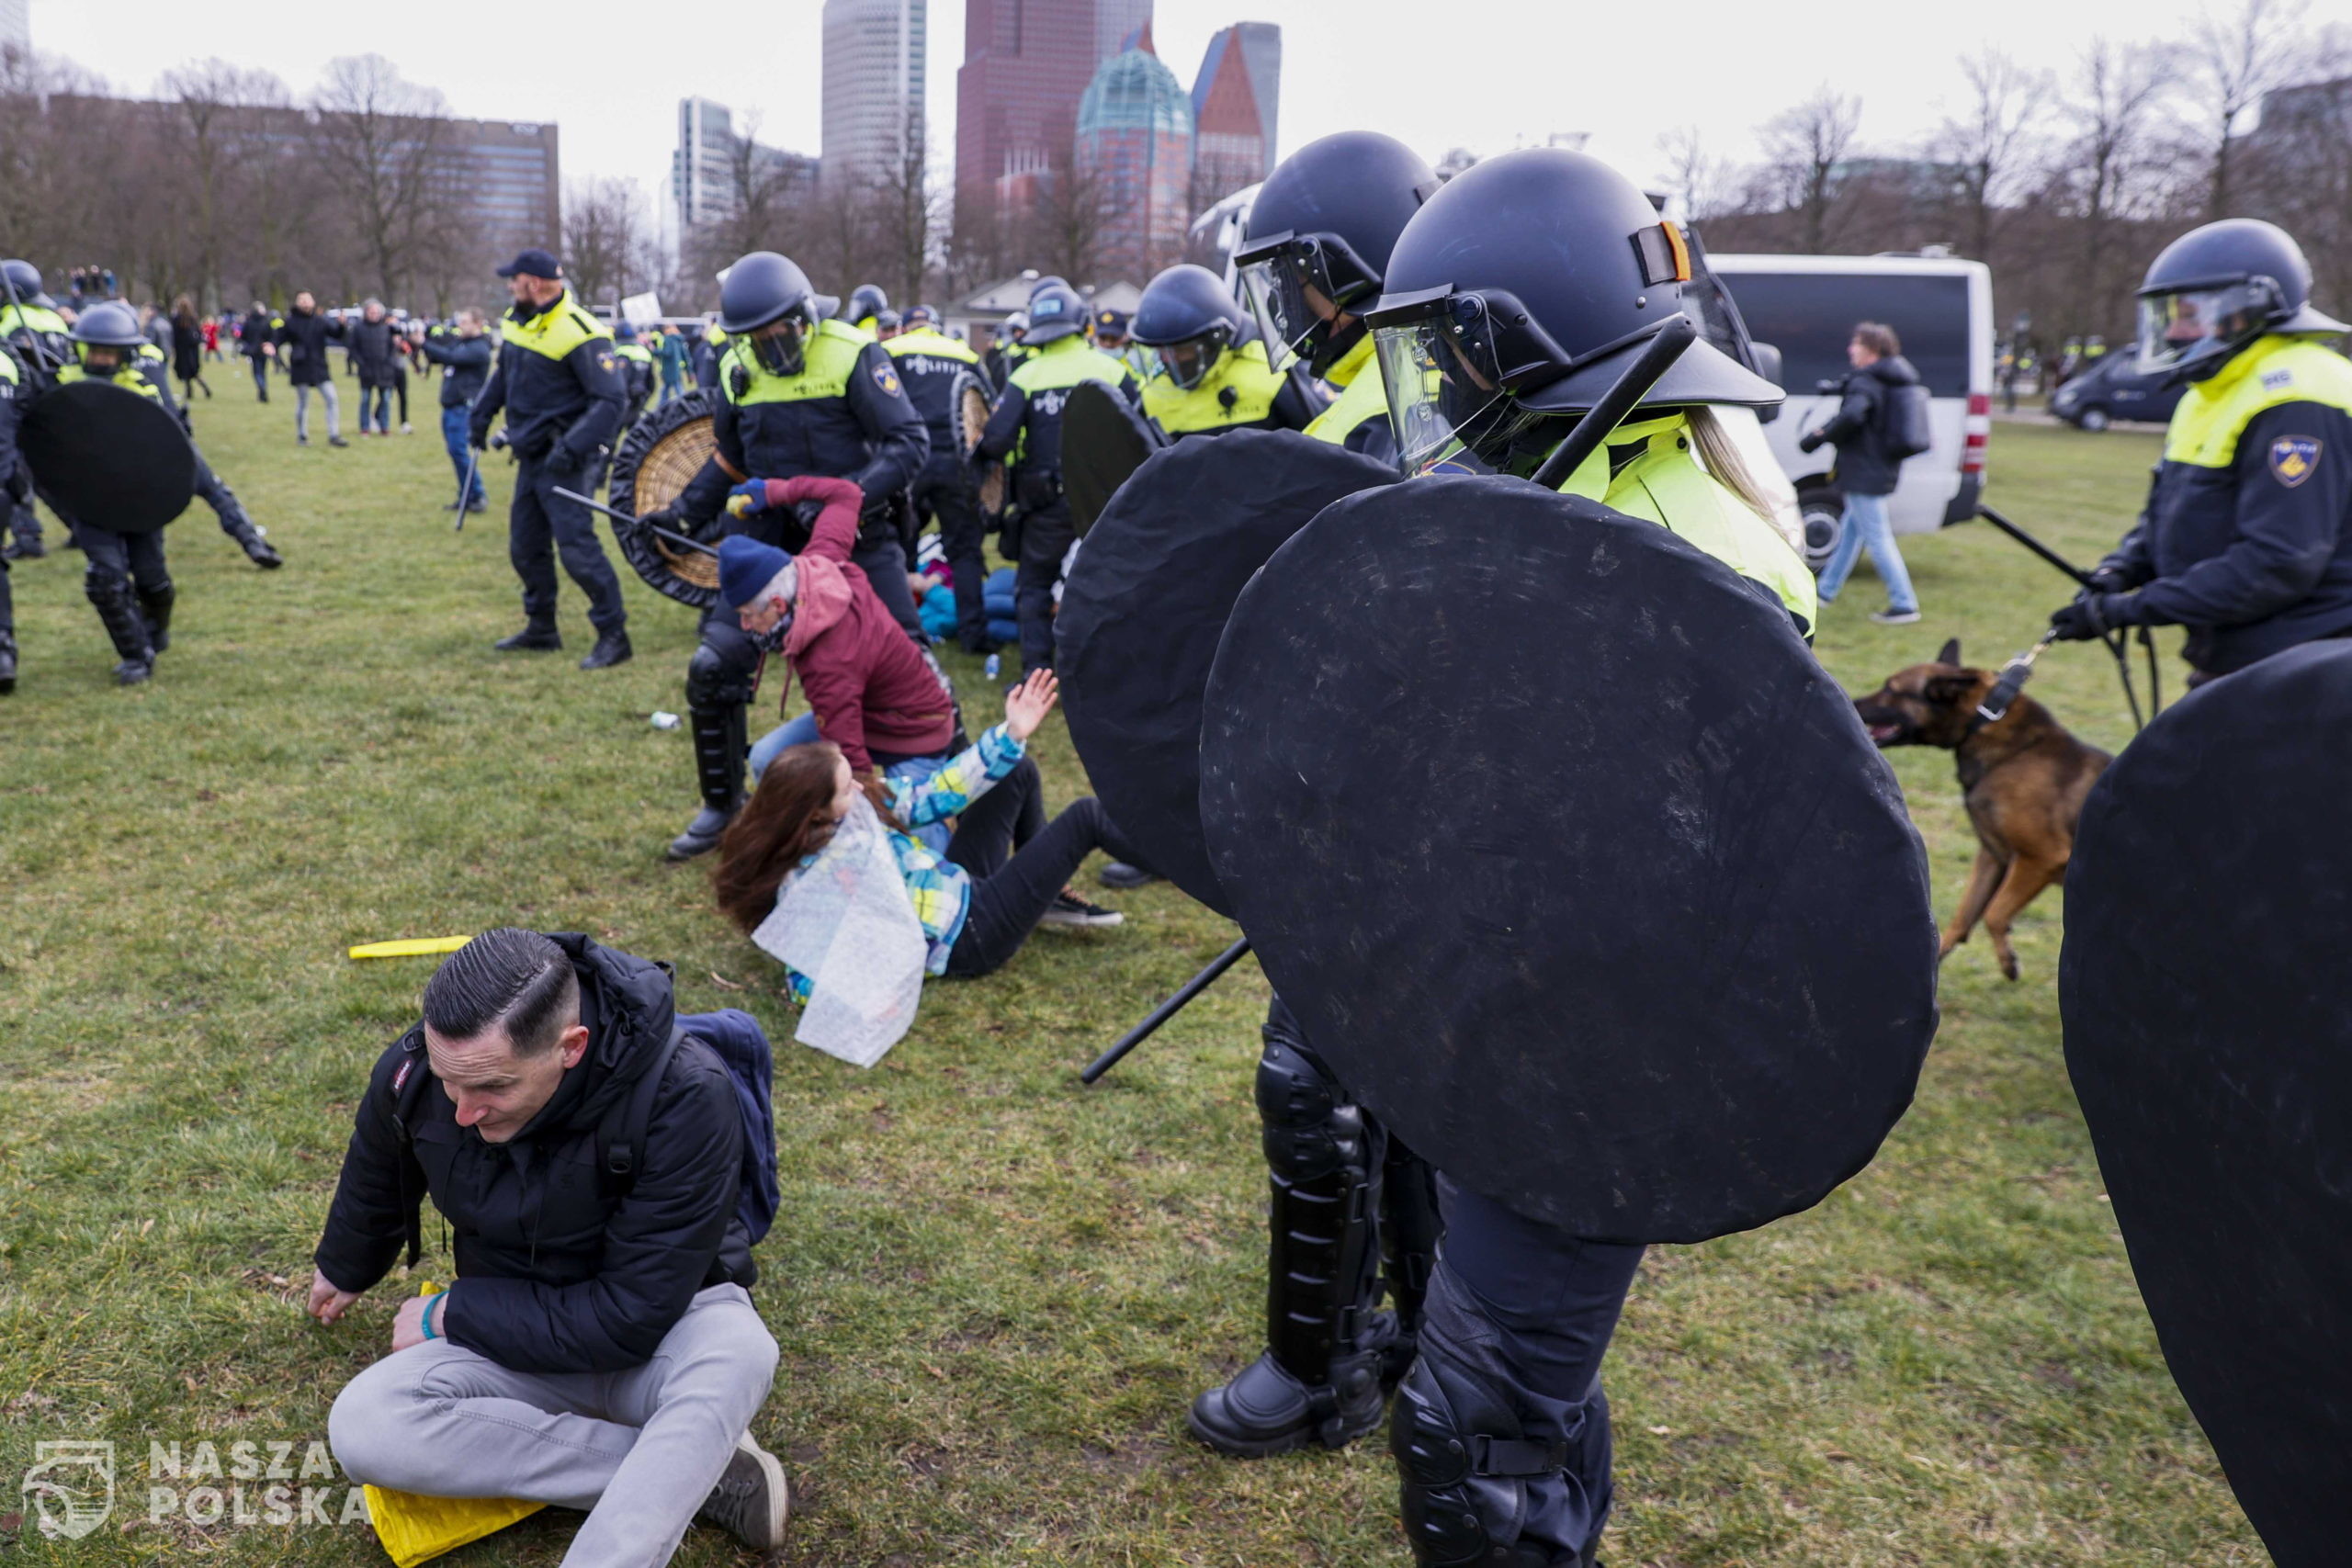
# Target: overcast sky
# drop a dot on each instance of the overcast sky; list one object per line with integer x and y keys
{"x": 1487, "y": 75}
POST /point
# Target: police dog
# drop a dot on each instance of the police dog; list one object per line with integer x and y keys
{"x": 2022, "y": 777}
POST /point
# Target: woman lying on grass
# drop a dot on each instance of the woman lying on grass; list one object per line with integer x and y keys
{"x": 1006, "y": 870}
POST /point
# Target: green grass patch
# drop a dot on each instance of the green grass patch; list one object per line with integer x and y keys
{"x": 995, "y": 1291}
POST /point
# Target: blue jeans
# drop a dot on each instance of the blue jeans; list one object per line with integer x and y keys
{"x": 1866, "y": 523}
{"x": 377, "y": 400}
{"x": 453, "y": 436}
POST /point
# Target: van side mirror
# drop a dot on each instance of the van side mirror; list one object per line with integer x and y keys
{"x": 1767, "y": 365}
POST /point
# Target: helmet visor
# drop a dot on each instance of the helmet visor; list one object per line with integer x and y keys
{"x": 1188, "y": 363}
{"x": 777, "y": 348}
{"x": 1438, "y": 397}
{"x": 1297, "y": 288}
{"x": 2193, "y": 324}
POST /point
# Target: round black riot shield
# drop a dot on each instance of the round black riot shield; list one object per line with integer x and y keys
{"x": 1144, "y": 605}
{"x": 969, "y": 405}
{"x": 107, "y": 456}
{"x": 662, "y": 451}
{"x": 1104, "y": 441}
{"x": 1574, "y": 865}
{"x": 2208, "y": 1012}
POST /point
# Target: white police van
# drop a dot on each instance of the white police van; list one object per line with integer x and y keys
{"x": 1940, "y": 308}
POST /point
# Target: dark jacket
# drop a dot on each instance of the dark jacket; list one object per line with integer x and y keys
{"x": 563, "y": 398}
{"x": 2251, "y": 562}
{"x": 254, "y": 336}
{"x": 868, "y": 434}
{"x": 465, "y": 365}
{"x": 302, "y": 346}
{"x": 187, "y": 349}
{"x": 375, "y": 350}
{"x": 1859, "y": 428}
{"x": 554, "y": 1275}
{"x": 931, "y": 364}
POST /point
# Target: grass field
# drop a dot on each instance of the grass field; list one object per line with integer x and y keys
{"x": 995, "y": 1291}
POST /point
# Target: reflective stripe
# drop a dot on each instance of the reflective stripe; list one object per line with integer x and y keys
{"x": 2273, "y": 370}
{"x": 39, "y": 319}
{"x": 1362, "y": 395}
{"x": 129, "y": 381}
{"x": 8, "y": 369}
{"x": 1666, "y": 485}
{"x": 830, "y": 359}
{"x": 632, "y": 351}
{"x": 1242, "y": 371}
{"x": 923, "y": 340}
{"x": 556, "y": 331}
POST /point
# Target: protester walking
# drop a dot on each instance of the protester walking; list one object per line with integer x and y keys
{"x": 464, "y": 358}
{"x": 187, "y": 349}
{"x": 375, "y": 359}
{"x": 1868, "y": 431}
{"x": 303, "y": 337}
{"x": 257, "y": 340}
{"x": 670, "y": 355}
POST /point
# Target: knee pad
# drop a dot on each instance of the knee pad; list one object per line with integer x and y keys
{"x": 715, "y": 679}
{"x": 1464, "y": 1470}
{"x": 1310, "y": 1129}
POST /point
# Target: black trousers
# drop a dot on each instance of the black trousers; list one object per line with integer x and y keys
{"x": 945, "y": 494}
{"x": 115, "y": 564}
{"x": 541, "y": 526}
{"x": 1018, "y": 863}
{"x": 1045, "y": 536}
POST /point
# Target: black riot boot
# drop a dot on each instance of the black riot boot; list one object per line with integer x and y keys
{"x": 722, "y": 743}
{"x": 156, "y": 606}
{"x": 127, "y": 628}
{"x": 612, "y": 648}
{"x": 1488, "y": 1473}
{"x": 532, "y": 638}
{"x": 1320, "y": 1379}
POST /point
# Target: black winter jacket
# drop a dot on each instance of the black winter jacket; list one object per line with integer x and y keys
{"x": 374, "y": 351}
{"x": 465, "y": 365}
{"x": 553, "y": 1274}
{"x": 256, "y": 333}
{"x": 564, "y": 410}
{"x": 302, "y": 346}
{"x": 1859, "y": 428}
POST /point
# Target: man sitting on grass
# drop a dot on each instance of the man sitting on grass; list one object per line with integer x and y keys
{"x": 599, "y": 1350}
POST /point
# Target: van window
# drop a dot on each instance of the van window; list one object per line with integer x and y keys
{"x": 1810, "y": 318}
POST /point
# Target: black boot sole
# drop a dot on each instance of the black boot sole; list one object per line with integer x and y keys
{"x": 1329, "y": 1434}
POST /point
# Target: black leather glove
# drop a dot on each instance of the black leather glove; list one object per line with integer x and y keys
{"x": 2090, "y": 615}
{"x": 667, "y": 517}
{"x": 2109, "y": 579}
{"x": 1810, "y": 440}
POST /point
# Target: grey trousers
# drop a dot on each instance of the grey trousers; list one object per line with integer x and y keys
{"x": 638, "y": 1450}
{"x": 302, "y": 408}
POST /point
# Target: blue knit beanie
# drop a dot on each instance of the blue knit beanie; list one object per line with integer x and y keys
{"x": 745, "y": 567}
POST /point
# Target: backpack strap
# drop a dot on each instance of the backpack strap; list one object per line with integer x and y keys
{"x": 408, "y": 1092}
{"x": 620, "y": 1139}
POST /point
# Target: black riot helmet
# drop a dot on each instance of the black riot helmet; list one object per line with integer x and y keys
{"x": 1318, "y": 240}
{"x": 1188, "y": 315}
{"x": 1055, "y": 311}
{"x": 766, "y": 300}
{"x": 24, "y": 282}
{"x": 2215, "y": 289}
{"x": 110, "y": 323}
{"x": 1519, "y": 292}
{"x": 1051, "y": 280}
{"x": 866, "y": 302}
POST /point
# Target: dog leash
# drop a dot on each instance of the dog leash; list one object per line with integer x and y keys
{"x": 2004, "y": 694}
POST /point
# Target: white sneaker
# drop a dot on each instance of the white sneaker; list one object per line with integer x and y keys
{"x": 1895, "y": 617}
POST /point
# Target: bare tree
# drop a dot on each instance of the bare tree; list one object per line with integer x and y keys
{"x": 1804, "y": 148}
{"x": 222, "y": 159}
{"x": 605, "y": 245}
{"x": 1705, "y": 183}
{"x": 2118, "y": 89}
{"x": 906, "y": 212}
{"x": 2233, "y": 58}
{"x": 1990, "y": 144}
{"x": 379, "y": 135}
{"x": 1076, "y": 204}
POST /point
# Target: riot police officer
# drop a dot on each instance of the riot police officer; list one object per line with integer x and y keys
{"x": 1114, "y": 336}
{"x": 1027, "y": 427}
{"x": 637, "y": 371}
{"x": 1350, "y": 1203}
{"x": 1212, "y": 374}
{"x": 560, "y": 386}
{"x": 125, "y": 577}
{"x": 1512, "y": 300}
{"x": 211, "y": 488}
{"x": 1312, "y": 260}
{"x": 864, "y": 307}
{"x": 12, "y": 484}
{"x": 933, "y": 365}
{"x": 797, "y": 394}
{"x": 43, "y": 344}
{"x": 2246, "y": 538}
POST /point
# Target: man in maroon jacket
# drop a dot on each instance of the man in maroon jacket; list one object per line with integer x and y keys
{"x": 871, "y": 691}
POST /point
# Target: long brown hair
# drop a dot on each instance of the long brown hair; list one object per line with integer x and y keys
{"x": 788, "y": 818}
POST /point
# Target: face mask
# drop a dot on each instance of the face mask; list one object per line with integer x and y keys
{"x": 772, "y": 640}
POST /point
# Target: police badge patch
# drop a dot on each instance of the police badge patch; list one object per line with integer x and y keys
{"x": 2292, "y": 459}
{"x": 887, "y": 380}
